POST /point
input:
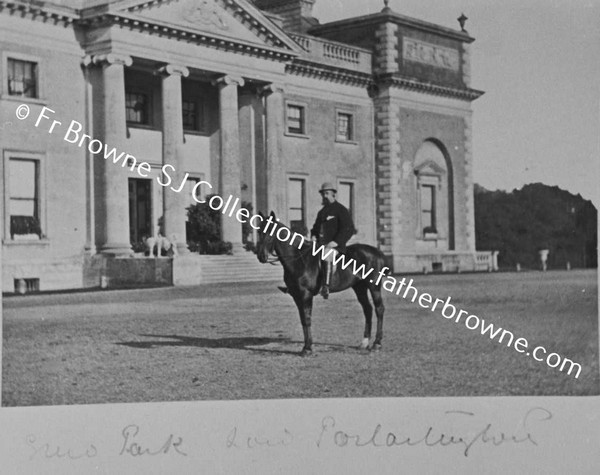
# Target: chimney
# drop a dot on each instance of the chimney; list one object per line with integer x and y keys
{"x": 295, "y": 14}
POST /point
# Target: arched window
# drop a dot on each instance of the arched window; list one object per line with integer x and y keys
{"x": 433, "y": 172}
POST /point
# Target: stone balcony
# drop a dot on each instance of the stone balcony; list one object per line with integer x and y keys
{"x": 332, "y": 53}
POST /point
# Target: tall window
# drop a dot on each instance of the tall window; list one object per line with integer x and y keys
{"x": 428, "y": 209}
{"x": 434, "y": 213}
{"x": 345, "y": 195}
{"x": 137, "y": 107}
{"x": 190, "y": 190}
{"x": 23, "y": 197}
{"x": 296, "y": 210}
{"x": 140, "y": 209}
{"x": 344, "y": 127}
{"x": 296, "y": 119}
{"x": 194, "y": 115}
{"x": 22, "y": 78}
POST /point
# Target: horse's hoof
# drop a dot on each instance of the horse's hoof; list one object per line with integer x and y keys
{"x": 375, "y": 347}
{"x": 306, "y": 352}
{"x": 364, "y": 344}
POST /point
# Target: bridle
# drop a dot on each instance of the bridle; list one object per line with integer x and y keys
{"x": 276, "y": 258}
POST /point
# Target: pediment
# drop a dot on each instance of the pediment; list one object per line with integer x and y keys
{"x": 429, "y": 168}
{"x": 235, "y": 20}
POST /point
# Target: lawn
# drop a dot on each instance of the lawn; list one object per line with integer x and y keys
{"x": 242, "y": 342}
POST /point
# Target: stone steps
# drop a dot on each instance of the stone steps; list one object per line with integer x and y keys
{"x": 238, "y": 268}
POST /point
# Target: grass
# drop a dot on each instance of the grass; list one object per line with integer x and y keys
{"x": 241, "y": 342}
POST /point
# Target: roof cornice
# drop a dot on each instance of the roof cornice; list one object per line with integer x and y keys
{"x": 401, "y": 82}
{"x": 300, "y": 67}
{"x": 40, "y": 10}
{"x": 392, "y": 17}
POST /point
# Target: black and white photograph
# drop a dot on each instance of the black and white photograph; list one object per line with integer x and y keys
{"x": 227, "y": 204}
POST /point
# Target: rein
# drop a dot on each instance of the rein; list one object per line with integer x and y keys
{"x": 289, "y": 259}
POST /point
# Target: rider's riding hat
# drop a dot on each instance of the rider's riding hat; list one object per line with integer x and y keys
{"x": 327, "y": 187}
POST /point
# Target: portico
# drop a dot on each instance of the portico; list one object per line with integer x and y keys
{"x": 143, "y": 102}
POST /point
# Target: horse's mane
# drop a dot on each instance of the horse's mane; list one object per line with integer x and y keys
{"x": 306, "y": 242}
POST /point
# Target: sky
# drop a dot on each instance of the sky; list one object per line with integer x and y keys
{"x": 538, "y": 62}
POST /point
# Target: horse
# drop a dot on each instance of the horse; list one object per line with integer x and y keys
{"x": 303, "y": 277}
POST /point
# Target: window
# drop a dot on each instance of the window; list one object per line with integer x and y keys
{"x": 190, "y": 115}
{"x": 345, "y": 195}
{"x": 428, "y": 209}
{"x": 137, "y": 107}
{"x": 23, "y": 198}
{"x": 296, "y": 119}
{"x": 296, "y": 209}
{"x": 140, "y": 210}
{"x": 194, "y": 115}
{"x": 199, "y": 192}
{"x": 22, "y": 78}
{"x": 433, "y": 195}
{"x": 191, "y": 190}
{"x": 344, "y": 127}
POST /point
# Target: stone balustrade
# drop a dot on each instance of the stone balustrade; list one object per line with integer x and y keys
{"x": 486, "y": 260}
{"x": 334, "y": 53}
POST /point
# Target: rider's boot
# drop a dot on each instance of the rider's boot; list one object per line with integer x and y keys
{"x": 328, "y": 272}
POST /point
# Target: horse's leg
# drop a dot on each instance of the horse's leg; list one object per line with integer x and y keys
{"x": 304, "y": 303}
{"x": 360, "y": 289}
{"x": 379, "y": 309}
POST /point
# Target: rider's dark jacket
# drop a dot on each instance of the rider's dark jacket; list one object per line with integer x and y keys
{"x": 333, "y": 223}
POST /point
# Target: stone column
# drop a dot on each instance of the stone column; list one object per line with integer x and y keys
{"x": 113, "y": 225}
{"x": 276, "y": 185}
{"x": 230, "y": 184}
{"x": 90, "y": 209}
{"x": 174, "y": 203}
{"x": 387, "y": 148}
{"x": 469, "y": 186}
{"x": 388, "y": 171}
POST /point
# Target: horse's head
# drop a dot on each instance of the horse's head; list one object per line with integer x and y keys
{"x": 266, "y": 242}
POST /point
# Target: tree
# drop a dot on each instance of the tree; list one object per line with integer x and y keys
{"x": 522, "y": 222}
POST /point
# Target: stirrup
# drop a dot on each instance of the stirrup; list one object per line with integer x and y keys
{"x": 325, "y": 291}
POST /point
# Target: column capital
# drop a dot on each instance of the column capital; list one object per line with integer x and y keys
{"x": 271, "y": 89}
{"x": 108, "y": 58}
{"x": 173, "y": 69}
{"x": 229, "y": 81}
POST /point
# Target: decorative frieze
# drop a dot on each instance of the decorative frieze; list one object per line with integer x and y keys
{"x": 430, "y": 54}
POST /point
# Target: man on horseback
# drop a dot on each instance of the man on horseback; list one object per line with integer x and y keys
{"x": 332, "y": 229}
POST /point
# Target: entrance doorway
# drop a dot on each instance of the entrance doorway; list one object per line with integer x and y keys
{"x": 140, "y": 210}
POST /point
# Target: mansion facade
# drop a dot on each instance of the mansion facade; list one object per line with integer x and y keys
{"x": 256, "y": 99}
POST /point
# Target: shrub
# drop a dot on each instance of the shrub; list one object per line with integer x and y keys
{"x": 204, "y": 229}
{"x": 204, "y": 223}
